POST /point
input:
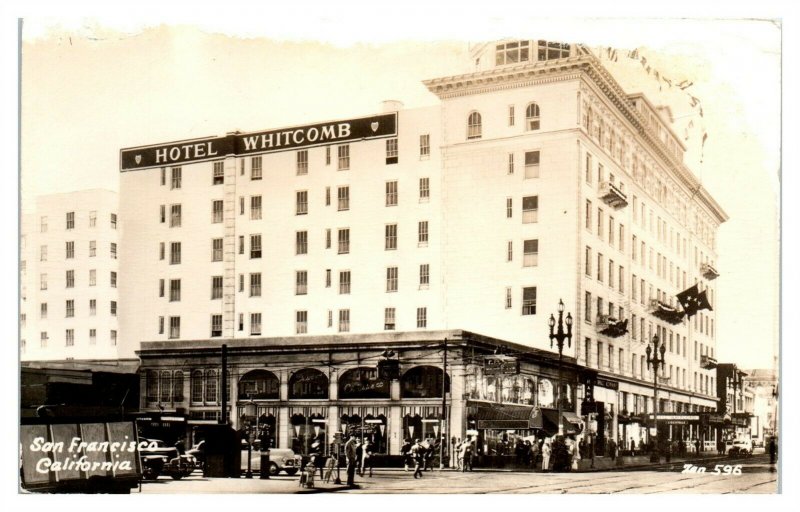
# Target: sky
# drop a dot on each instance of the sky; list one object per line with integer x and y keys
{"x": 92, "y": 86}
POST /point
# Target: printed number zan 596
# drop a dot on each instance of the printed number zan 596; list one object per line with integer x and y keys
{"x": 720, "y": 469}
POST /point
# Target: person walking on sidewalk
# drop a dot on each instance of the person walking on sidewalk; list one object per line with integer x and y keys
{"x": 633, "y": 447}
{"x": 773, "y": 450}
{"x": 418, "y": 454}
{"x": 350, "y": 448}
{"x": 612, "y": 449}
{"x": 366, "y": 458}
{"x": 546, "y": 451}
{"x": 405, "y": 451}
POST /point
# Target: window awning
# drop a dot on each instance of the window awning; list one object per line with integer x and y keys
{"x": 547, "y": 420}
{"x": 503, "y": 417}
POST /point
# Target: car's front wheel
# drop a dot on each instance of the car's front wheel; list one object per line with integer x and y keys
{"x": 274, "y": 469}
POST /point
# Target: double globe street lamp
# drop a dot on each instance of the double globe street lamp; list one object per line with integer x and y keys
{"x": 656, "y": 362}
{"x": 559, "y": 336}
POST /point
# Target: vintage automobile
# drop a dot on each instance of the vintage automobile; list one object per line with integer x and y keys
{"x": 739, "y": 447}
{"x": 198, "y": 451}
{"x": 280, "y": 459}
{"x": 158, "y": 458}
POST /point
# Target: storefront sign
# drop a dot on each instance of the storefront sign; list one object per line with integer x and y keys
{"x": 500, "y": 365}
{"x": 215, "y": 148}
{"x": 608, "y": 384}
{"x": 545, "y": 393}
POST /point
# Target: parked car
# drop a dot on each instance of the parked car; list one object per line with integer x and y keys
{"x": 198, "y": 451}
{"x": 739, "y": 447}
{"x": 280, "y": 459}
{"x": 159, "y": 458}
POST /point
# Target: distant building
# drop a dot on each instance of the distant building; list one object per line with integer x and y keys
{"x": 536, "y": 178}
{"x": 764, "y": 385}
{"x": 69, "y": 277}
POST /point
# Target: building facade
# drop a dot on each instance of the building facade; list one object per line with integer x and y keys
{"x": 536, "y": 178}
{"x": 69, "y": 277}
{"x": 764, "y": 383}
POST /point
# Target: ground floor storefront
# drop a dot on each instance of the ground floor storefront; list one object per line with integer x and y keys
{"x": 312, "y": 393}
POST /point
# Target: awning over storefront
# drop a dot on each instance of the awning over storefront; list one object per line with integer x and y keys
{"x": 503, "y": 417}
{"x": 547, "y": 420}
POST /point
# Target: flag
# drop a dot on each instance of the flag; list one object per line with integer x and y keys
{"x": 689, "y": 299}
{"x": 702, "y": 301}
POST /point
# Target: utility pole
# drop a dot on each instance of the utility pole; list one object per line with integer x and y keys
{"x": 224, "y": 379}
{"x": 442, "y": 438}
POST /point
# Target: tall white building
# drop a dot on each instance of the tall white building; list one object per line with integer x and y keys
{"x": 69, "y": 277}
{"x": 537, "y": 178}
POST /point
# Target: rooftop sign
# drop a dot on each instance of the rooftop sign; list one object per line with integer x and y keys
{"x": 282, "y": 139}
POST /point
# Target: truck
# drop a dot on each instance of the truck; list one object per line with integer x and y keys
{"x": 70, "y": 455}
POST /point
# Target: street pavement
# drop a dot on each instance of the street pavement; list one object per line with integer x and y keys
{"x": 757, "y": 477}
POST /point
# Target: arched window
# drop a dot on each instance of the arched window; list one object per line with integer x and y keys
{"x": 164, "y": 385}
{"x": 423, "y": 382}
{"x": 532, "y": 117}
{"x": 308, "y": 383}
{"x": 363, "y": 382}
{"x": 474, "y": 126}
{"x": 259, "y": 384}
{"x": 151, "y": 385}
{"x": 177, "y": 386}
{"x": 197, "y": 386}
{"x": 211, "y": 386}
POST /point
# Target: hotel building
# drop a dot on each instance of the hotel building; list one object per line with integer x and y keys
{"x": 444, "y": 232}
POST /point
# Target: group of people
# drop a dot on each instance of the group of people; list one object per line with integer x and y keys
{"x": 358, "y": 454}
{"x": 418, "y": 454}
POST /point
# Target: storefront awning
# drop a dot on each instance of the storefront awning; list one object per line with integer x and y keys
{"x": 547, "y": 420}
{"x": 502, "y": 417}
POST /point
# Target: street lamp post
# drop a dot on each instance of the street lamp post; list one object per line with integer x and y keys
{"x": 736, "y": 383}
{"x": 559, "y": 337}
{"x": 656, "y": 362}
{"x": 250, "y": 411}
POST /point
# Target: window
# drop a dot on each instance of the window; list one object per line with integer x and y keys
{"x": 70, "y": 278}
{"x": 43, "y": 340}
{"x": 508, "y": 297}
{"x": 588, "y": 222}
{"x": 255, "y": 324}
{"x": 241, "y": 321}
{"x": 388, "y": 319}
{"x": 43, "y": 282}
{"x": 600, "y": 221}
{"x": 529, "y": 300}
{"x": 327, "y": 278}
{"x": 390, "y": 237}
{"x": 391, "y": 279}
{"x": 93, "y": 336}
{"x": 43, "y": 310}
{"x": 587, "y": 307}
{"x": 344, "y": 157}
{"x": 422, "y": 237}
{"x": 302, "y": 162}
{"x": 113, "y": 279}
{"x": 611, "y": 273}
{"x": 621, "y": 279}
{"x": 301, "y": 282}
{"x": 610, "y": 230}
{"x": 301, "y": 322}
{"x": 255, "y": 284}
{"x": 241, "y": 205}
{"x": 113, "y": 251}
{"x": 509, "y": 207}
{"x": 174, "y": 290}
{"x": 587, "y": 258}
{"x": 70, "y": 250}
{"x": 163, "y": 176}
{"x": 216, "y": 326}
{"x": 92, "y": 307}
{"x": 510, "y": 169}
{"x": 113, "y": 308}
{"x": 70, "y": 220}
{"x": 161, "y": 250}
{"x": 176, "y": 177}
{"x": 588, "y": 169}
{"x": 70, "y": 308}
{"x": 531, "y": 164}
{"x": 391, "y": 193}
{"x": 599, "y": 354}
{"x": 424, "y": 145}
{"x": 424, "y": 189}
{"x": 530, "y": 209}
{"x": 531, "y": 253}
{"x": 92, "y": 277}
{"x": 301, "y": 242}
{"x": 43, "y": 225}
{"x": 70, "y": 337}
{"x": 344, "y": 282}
{"x": 344, "y": 198}
{"x": 510, "y": 251}
{"x": 424, "y": 276}
{"x": 509, "y": 53}
{"x": 255, "y": 246}
{"x": 344, "y": 320}
{"x": 211, "y": 386}
{"x": 216, "y": 249}
{"x": 255, "y": 207}
{"x": 633, "y": 327}
{"x": 217, "y": 211}
{"x": 511, "y": 115}
{"x": 328, "y": 238}
{"x": 621, "y": 238}
{"x": 302, "y": 203}
{"x": 474, "y": 126}
{"x": 92, "y": 248}
{"x": 344, "y": 241}
{"x": 255, "y": 168}
{"x": 241, "y": 244}
{"x": 532, "y": 117}
{"x": 216, "y": 287}
{"x": 422, "y": 318}
{"x": 218, "y": 177}
{"x": 327, "y": 196}
{"x": 391, "y": 151}
{"x": 327, "y": 155}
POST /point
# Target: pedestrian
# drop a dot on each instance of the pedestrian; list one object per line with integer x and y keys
{"x": 418, "y": 454}
{"x": 575, "y": 454}
{"x": 405, "y": 451}
{"x": 469, "y": 451}
{"x": 180, "y": 445}
{"x": 546, "y": 451}
{"x": 359, "y": 457}
{"x": 582, "y": 447}
{"x": 612, "y": 448}
{"x": 350, "y": 449}
{"x": 534, "y": 453}
{"x": 773, "y": 450}
{"x": 633, "y": 447}
{"x": 367, "y": 458}
{"x": 697, "y": 447}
